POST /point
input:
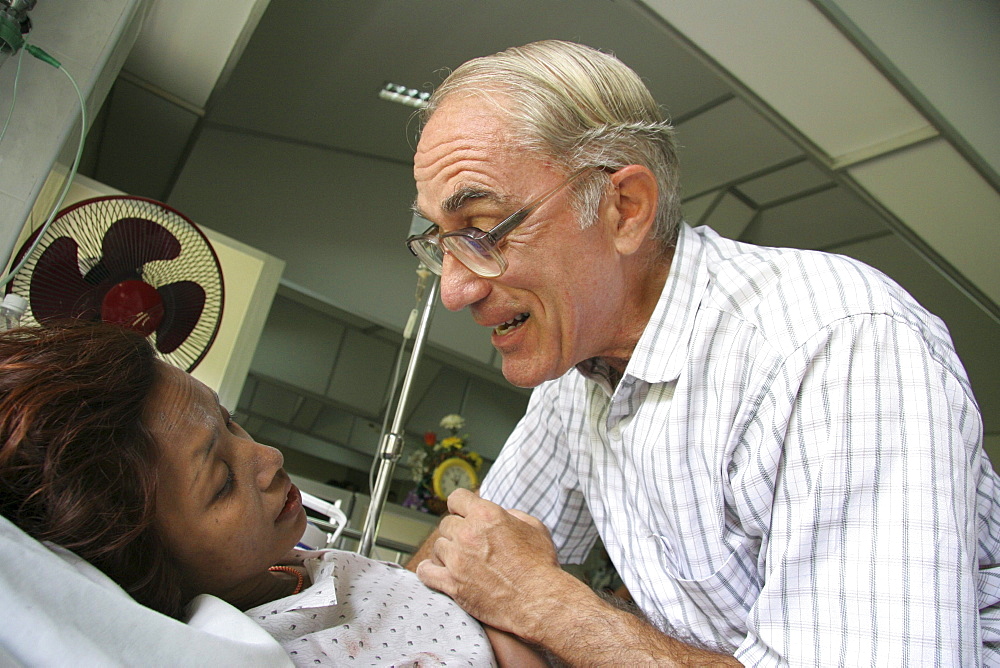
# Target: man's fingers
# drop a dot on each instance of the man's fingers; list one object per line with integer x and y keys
{"x": 447, "y": 526}
{"x": 530, "y": 520}
{"x": 523, "y": 516}
{"x": 434, "y": 575}
{"x": 460, "y": 501}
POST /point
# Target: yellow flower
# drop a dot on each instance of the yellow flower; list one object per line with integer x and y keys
{"x": 476, "y": 460}
{"x": 452, "y": 442}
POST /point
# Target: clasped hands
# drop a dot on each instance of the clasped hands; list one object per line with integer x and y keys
{"x": 495, "y": 563}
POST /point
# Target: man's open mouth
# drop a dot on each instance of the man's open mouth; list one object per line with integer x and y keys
{"x": 511, "y": 325}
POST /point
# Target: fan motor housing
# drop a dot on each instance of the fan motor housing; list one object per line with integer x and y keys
{"x": 133, "y": 304}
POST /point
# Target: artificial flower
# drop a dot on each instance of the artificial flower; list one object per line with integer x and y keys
{"x": 425, "y": 459}
{"x": 453, "y": 422}
{"x": 451, "y": 443}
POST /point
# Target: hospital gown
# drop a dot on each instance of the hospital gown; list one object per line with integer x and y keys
{"x": 360, "y": 612}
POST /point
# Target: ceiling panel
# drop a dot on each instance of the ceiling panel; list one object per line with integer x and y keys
{"x": 312, "y": 70}
{"x": 782, "y": 50}
{"x": 730, "y": 216}
{"x": 938, "y": 52}
{"x": 298, "y": 342}
{"x": 363, "y": 372}
{"x": 490, "y": 416}
{"x": 185, "y": 45}
{"x": 275, "y": 402}
{"x": 142, "y": 141}
{"x": 946, "y": 202}
{"x": 726, "y": 144}
{"x": 334, "y": 424}
{"x": 309, "y": 411}
{"x": 443, "y": 395}
{"x": 784, "y": 183}
{"x": 819, "y": 221}
{"x": 695, "y": 209}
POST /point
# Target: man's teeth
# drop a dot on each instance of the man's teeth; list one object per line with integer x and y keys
{"x": 511, "y": 324}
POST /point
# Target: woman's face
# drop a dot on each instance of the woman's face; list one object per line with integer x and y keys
{"x": 225, "y": 507}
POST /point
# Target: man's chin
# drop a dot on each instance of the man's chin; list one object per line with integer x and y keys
{"x": 526, "y": 374}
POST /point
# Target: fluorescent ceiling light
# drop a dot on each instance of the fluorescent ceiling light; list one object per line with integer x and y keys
{"x": 404, "y": 95}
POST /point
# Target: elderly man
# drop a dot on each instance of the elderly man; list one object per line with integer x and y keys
{"x": 779, "y": 448}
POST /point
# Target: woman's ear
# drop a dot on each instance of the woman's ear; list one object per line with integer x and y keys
{"x": 635, "y": 198}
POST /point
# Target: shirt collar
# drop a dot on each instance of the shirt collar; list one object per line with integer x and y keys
{"x": 660, "y": 353}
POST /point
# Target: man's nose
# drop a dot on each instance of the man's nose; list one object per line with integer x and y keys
{"x": 460, "y": 287}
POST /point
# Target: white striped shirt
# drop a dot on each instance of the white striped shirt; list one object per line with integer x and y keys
{"x": 791, "y": 469}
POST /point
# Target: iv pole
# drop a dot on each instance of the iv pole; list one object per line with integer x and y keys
{"x": 391, "y": 445}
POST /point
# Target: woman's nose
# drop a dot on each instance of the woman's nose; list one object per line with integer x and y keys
{"x": 460, "y": 287}
{"x": 269, "y": 462}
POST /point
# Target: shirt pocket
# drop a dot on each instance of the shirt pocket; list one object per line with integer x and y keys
{"x": 714, "y": 607}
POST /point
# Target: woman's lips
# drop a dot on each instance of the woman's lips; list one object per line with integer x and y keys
{"x": 293, "y": 504}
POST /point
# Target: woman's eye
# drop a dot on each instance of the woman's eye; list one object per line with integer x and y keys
{"x": 230, "y": 422}
{"x": 228, "y": 485}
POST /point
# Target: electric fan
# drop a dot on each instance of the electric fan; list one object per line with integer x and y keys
{"x": 130, "y": 261}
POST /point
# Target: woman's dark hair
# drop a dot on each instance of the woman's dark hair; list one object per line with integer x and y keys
{"x": 77, "y": 464}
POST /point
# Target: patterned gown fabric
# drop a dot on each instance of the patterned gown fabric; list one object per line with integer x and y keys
{"x": 362, "y": 612}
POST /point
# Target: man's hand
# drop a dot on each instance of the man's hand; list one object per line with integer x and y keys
{"x": 501, "y": 566}
{"x": 493, "y": 562}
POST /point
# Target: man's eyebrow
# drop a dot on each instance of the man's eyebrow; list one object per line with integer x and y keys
{"x": 463, "y": 196}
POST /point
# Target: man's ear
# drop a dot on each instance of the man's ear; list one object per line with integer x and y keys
{"x": 635, "y": 198}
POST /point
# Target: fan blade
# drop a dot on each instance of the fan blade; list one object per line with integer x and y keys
{"x": 58, "y": 290}
{"x": 183, "y": 302}
{"x": 129, "y": 244}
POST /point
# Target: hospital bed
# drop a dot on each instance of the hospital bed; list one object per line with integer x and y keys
{"x": 402, "y": 530}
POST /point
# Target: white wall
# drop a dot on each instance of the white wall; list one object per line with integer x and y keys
{"x": 91, "y": 40}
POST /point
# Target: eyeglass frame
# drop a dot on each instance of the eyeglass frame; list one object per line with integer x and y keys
{"x": 489, "y": 238}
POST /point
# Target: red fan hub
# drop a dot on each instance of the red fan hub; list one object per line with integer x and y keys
{"x": 134, "y": 304}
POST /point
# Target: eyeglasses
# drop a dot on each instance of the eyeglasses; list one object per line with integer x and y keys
{"x": 475, "y": 248}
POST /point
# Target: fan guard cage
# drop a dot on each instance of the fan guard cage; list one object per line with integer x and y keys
{"x": 151, "y": 242}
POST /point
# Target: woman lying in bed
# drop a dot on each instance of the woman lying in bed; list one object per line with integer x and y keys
{"x": 134, "y": 465}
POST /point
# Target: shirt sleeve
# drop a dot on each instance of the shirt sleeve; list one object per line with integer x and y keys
{"x": 870, "y": 525}
{"x": 535, "y": 474}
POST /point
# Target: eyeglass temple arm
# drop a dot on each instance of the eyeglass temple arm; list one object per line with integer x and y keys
{"x": 514, "y": 220}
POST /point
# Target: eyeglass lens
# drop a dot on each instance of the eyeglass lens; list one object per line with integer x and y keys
{"x": 429, "y": 253}
{"x": 476, "y": 254}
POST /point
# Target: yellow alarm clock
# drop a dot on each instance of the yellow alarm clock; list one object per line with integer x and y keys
{"x": 451, "y": 474}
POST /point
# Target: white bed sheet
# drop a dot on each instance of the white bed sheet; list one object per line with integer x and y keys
{"x": 59, "y": 610}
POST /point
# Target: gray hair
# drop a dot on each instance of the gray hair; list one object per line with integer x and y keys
{"x": 581, "y": 108}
